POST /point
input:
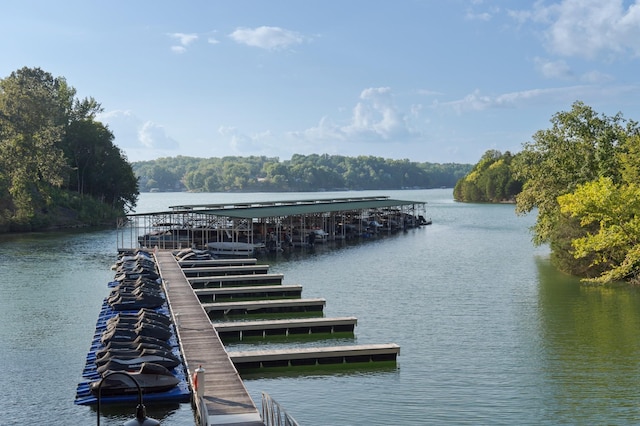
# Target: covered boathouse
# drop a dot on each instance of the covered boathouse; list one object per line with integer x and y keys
{"x": 268, "y": 226}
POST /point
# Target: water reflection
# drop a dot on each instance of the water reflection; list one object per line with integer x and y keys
{"x": 591, "y": 346}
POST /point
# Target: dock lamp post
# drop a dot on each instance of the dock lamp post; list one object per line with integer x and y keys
{"x": 141, "y": 416}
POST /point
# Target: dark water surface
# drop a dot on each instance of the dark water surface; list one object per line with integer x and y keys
{"x": 489, "y": 332}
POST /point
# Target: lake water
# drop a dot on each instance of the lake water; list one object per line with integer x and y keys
{"x": 489, "y": 332}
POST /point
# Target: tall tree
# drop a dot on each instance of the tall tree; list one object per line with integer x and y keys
{"x": 49, "y": 143}
{"x": 580, "y": 147}
{"x": 32, "y": 119}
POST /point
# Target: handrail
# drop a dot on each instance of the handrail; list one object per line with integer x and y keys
{"x": 273, "y": 414}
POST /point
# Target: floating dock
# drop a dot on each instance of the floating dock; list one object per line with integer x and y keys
{"x": 296, "y": 326}
{"x": 236, "y": 280}
{"x": 293, "y": 291}
{"x": 226, "y": 401}
{"x": 315, "y": 356}
{"x": 217, "y": 262}
{"x": 241, "y": 287}
{"x": 264, "y": 306}
{"x": 214, "y": 271}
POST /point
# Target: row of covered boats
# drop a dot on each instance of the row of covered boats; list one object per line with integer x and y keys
{"x": 250, "y": 228}
{"x": 135, "y": 335}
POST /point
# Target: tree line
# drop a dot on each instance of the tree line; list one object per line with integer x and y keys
{"x": 300, "y": 173}
{"x": 492, "y": 180}
{"x": 582, "y": 176}
{"x": 58, "y": 164}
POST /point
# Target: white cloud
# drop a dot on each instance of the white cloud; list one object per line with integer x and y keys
{"x": 154, "y": 136}
{"x": 377, "y": 116}
{"x": 130, "y": 132}
{"x": 270, "y": 38}
{"x": 587, "y": 28}
{"x": 374, "y": 118}
{"x": 183, "y": 39}
{"x": 478, "y": 102}
{"x": 553, "y": 69}
{"x": 596, "y": 77}
{"x": 426, "y": 92}
{"x": 474, "y": 15}
{"x": 243, "y": 144}
{"x": 482, "y": 16}
{"x": 561, "y": 70}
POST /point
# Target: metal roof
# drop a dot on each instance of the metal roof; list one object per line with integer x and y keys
{"x": 287, "y": 208}
{"x": 301, "y": 209}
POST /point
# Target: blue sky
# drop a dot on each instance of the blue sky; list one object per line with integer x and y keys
{"x": 427, "y": 80}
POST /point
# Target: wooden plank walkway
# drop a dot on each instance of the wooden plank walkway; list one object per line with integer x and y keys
{"x": 226, "y": 401}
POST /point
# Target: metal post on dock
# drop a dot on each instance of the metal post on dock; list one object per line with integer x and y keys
{"x": 198, "y": 381}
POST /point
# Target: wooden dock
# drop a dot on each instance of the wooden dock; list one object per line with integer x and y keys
{"x": 189, "y": 286}
{"x": 226, "y": 401}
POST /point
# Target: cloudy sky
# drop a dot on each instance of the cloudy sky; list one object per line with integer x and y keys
{"x": 427, "y": 80}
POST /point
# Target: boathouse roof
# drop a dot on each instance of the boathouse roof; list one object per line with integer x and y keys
{"x": 289, "y": 208}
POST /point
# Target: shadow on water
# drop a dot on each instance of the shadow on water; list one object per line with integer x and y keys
{"x": 333, "y": 370}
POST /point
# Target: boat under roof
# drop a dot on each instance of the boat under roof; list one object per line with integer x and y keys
{"x": 256, "y": 220}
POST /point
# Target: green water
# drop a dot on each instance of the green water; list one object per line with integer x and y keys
{"x": 489, "y": 332}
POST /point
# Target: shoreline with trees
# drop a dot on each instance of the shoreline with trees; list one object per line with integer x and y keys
{"x": 302, "y": 173}
{"x": 582, "y": 177}
{"x": 59, "y": 166}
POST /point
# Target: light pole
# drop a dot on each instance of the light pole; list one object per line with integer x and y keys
{"x": 141, "y": 416}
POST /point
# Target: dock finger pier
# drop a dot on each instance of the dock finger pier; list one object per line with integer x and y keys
{"x": 191, "y": 280}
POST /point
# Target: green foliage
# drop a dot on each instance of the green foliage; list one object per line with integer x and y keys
{"x": 49, "y": 141}
{"x": 579, "y": 147}
{"x": 615, "y": 242}
{"x": 569, "y": 172}
{"x": 491, "y": 180}
{"x": 301, "y": 173}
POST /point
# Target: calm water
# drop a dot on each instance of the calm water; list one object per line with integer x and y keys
{"x": 490, "y": 333}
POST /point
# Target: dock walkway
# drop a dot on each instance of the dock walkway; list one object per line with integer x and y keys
{"x": 226, "y": 401}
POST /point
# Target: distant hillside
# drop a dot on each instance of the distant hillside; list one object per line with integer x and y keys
{"x": 301, "y": 173}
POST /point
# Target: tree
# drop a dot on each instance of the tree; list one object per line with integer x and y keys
{"x": 581, "y": 146}
{"x": 611, "y": 211}
{"x": 51, "y": 143}
{"x": 83, "y": 143}
{"x": 32, "y": 116}
{"x": 491, "y": 180}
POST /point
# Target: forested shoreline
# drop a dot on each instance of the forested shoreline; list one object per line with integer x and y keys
{"x": 582, "y": 178}
{"x": 59, "y": 166}
{"x": 299, "y": 174}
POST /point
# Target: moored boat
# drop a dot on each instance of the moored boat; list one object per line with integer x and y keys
{"x": 230, "y": 248}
